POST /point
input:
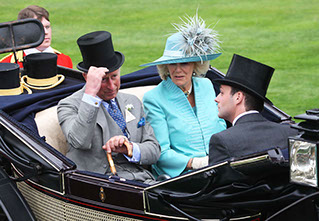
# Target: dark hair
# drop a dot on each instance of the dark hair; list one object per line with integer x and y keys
{"x": 251, "y": 102}
{"x": 34, "y": 11}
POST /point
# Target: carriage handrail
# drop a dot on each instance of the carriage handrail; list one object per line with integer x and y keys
{"x": 34, "y": 168}
{"x": 20, "y": 34}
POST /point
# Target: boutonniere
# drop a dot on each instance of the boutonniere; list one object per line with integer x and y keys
{"x": 129, "y": 107}
{"x": 141, "y": 123}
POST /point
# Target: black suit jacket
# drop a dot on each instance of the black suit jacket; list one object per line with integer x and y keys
{"x": 251, "y": 133}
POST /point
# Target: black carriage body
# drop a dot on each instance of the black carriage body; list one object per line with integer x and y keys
{"x": 53, "y": 187}
{"x": 50, "y": 184}
{"x": 53, "y": 184}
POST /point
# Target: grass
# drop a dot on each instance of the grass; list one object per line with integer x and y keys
{"x": 283, "y": 34}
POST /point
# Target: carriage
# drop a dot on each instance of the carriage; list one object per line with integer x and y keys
{"x": 38, "y": 182}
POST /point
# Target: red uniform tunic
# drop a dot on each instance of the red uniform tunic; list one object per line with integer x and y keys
{"x": 63, "y": 60}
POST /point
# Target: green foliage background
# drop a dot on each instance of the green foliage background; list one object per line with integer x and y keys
{"x": 283, "y": 34}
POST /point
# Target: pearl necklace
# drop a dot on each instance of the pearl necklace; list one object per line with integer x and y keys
{"x": 188, "y": 92}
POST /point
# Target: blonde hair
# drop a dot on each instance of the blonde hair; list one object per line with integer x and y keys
{"x": 200, "y": 69}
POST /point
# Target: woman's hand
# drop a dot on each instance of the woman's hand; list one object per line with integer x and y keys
{"x": 197, "y": 162}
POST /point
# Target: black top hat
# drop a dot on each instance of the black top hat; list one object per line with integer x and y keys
{"x": 41, "y": 71}
{"x": 97, "y": 50}
{"x": 248, "y": 75}
{"x": 10, "y": 79}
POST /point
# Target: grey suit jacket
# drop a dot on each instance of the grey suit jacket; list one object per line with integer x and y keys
{"x": 87, "y": 128}
{"x": 252, "y": 133}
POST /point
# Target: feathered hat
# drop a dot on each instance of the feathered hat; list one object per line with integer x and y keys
{"x": 193, "y": 42}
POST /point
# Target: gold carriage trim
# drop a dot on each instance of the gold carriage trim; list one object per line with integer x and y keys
{"x": 42, "y": 84}
{"x": 14, "y": 91}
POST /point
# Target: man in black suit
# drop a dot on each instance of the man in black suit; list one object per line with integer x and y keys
{"x": 241, "y": 99}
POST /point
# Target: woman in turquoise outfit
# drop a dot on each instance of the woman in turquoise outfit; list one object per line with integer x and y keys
{"x": 181, "y": 109}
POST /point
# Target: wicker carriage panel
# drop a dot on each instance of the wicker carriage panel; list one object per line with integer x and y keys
{"x": 49, "y": 208}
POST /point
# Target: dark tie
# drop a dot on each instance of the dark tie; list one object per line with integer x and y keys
{"x": 117, "y": 115}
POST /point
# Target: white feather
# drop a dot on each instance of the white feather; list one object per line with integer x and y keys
{"x": 198, "y": 40}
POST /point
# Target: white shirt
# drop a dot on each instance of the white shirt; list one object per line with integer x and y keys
{"x": 243, "y": 114}
{"x": 34, "y": 50}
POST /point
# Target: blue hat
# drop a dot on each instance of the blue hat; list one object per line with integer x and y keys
{"x": 193, "y": 42}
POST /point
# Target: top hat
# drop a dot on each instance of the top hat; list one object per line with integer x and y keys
{"x": 97, "y": 50}
{"x": 193, "y": 42}
{"x": 41, "y": 71}
{"x": 248, "y": 75}
{"x": 10, "y": 80}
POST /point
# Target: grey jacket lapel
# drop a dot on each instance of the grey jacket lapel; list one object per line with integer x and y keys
{"x": 121, "y": 101}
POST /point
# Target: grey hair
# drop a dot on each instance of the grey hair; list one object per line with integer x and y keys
{"x": 200, "y": 69}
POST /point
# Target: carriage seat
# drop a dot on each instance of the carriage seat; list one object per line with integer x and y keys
{"x": 48, "y": 124}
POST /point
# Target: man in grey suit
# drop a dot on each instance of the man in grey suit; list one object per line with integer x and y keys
{"x": 98, "y": 119}
{"x": 241, "y": 99}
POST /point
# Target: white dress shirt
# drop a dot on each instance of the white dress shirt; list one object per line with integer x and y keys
{"x": 243, "y": 114}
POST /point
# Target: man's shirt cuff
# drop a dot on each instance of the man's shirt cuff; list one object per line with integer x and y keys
{"x": 136, "y": 154}
{"x": 94, "y": 101}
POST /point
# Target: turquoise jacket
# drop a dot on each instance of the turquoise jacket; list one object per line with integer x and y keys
{"x": 181, "y": 133}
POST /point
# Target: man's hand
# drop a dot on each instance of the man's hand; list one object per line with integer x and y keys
{"x": 116, "y": 144}
{"x": 94, "y": 79}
